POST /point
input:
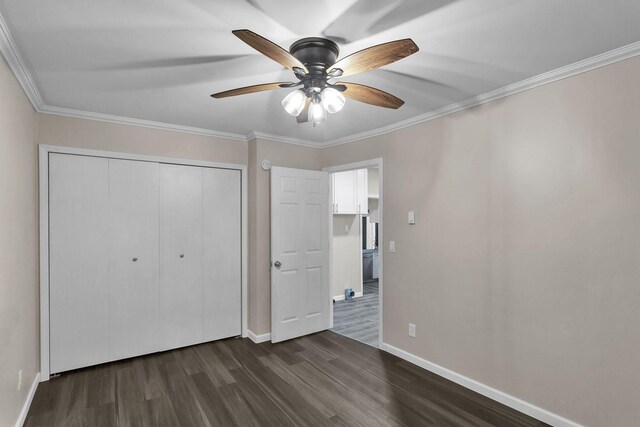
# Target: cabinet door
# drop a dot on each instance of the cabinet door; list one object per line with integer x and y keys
{"x": 181, "y": 289}
{"x": 362, "y": 192}
{"x": 222, "y": 253}
{"x": 133, "y": 257}
{"x": 78, "y": 251}
{"x": 344, "y": 188}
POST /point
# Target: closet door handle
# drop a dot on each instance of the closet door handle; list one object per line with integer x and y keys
{"x": 134, "y": 259}
{"x": 181, "y": 255}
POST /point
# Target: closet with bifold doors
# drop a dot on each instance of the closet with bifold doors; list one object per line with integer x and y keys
{"x": 144, "y": 256}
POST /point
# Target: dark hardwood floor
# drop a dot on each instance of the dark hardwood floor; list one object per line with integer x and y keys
{"x": 322, "y": 379}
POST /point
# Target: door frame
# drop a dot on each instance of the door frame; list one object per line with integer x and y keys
{"x": 372, "y": 163}
{"x": 43, "y": 170}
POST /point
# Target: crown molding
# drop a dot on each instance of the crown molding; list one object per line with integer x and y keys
{"x": 589, "y": 64}
{"x": 284, "y": 139}
{"x": 17, "y": 65}
{"x": 61, "y": 111}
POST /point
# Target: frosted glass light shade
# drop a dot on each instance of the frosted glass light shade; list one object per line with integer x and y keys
{"x": 294, "y": 102}
{"x": 317, "y": 113}
{"x": 332, "y": 100}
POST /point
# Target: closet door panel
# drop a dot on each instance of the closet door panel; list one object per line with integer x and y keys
{"x": 133, "y": 257}
{"x": 181, "y": 289}
{"x": 222, "y": 253}
{"x": 78, "y": 248}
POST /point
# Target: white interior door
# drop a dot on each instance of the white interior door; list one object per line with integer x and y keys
{"x": 300, "y": 300}
{"x": 78, "y": 244}
{"x": 222, "y": 232}
{"x": 133, "y": 257}
{"x": 181, "y": 287}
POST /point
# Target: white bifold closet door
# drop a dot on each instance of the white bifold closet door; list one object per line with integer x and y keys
{"x": 181, "y": 259}
{"x": 223, "y": 251}
{"x": 78, "y": 257}
{"x": 133, "y": 258}
{"x": 144, "y": 257}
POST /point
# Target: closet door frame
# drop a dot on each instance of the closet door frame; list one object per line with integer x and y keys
{"x": 44, "y": 151}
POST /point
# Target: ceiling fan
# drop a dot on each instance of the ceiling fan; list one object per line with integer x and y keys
{"x": 313, "y": 61}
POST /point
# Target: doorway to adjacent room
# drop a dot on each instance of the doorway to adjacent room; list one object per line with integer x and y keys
{"x": 356, "y": 227}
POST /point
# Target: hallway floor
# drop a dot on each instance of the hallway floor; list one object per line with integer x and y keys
{"x": 359, "y": 318}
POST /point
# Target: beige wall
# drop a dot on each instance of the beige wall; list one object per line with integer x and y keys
{"x": 523, "y": 269}
{"x": 18, "y": 247}
{"x": 347, "y": 254}
{"x": 285, "y": 155}
{"x": 96, "y": 135}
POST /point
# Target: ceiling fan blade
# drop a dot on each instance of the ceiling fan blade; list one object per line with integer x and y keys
{"x": 303, "y": 117}
{"x": 252, "y": 89}
{"x": 269, "y": 49}
{"x": 370, "y": 95}
{"x": 375, "y": 56}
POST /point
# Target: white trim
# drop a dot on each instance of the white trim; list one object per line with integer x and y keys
{"x": 43, "y": 173}
{"x": 258, "y": 338}
{"x": 371, "y": 163}
{"x": 44, "y": 151}
{"x": 341, "y": 297}
{"x": 485, "y": 390}
{"x": 17, "y": 65}
{"x": 22, "y": 417}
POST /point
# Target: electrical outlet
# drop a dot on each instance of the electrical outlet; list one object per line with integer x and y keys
{"x": 19, "y": 379}
{"x": 412, "y": 330}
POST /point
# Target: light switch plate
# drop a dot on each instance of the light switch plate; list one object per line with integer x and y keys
{"x": 411, "y": 217}
{"x": 392, "y": 245}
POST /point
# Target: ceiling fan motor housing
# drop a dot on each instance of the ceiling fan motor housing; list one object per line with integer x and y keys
{"x": 316, "y": 53}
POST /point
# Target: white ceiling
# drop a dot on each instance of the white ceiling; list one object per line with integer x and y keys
{"x": 160, "y": 60}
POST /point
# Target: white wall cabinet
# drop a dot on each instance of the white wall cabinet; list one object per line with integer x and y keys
{"x": 144, "y": 257}
{"x": 350, "y": 192}
{"x": 362, "y": 192}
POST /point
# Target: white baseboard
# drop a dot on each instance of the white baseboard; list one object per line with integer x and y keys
{"x": 258, "y": 338}
{"x": 485, "y": 390}
{"x": 27, "y": 403}
{"x": 341, "y": 297}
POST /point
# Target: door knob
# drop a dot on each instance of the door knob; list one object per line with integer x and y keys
{"x": 181, "y": 255}
{"x": 134, "y": 259}
{"x": 277, "y": 264}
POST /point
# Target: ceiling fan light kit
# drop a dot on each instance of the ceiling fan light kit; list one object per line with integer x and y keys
{"x": 314, "y": 62}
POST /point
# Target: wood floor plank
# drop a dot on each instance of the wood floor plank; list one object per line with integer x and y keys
{"x": 211, "y": 400}
{"x": 321, "y": 379}
{"x": 158, "y": 412}
{"x": 100, "y": 416}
